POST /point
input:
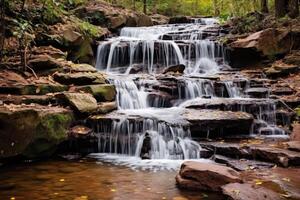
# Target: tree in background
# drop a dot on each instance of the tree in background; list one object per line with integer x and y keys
{"x": 264, "y": 6}
{"x": 293, "y": 8}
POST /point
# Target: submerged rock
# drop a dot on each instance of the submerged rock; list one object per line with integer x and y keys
{"x": 205, "y": 176}
{"x": 32, "y": 131}
{"x": 175, "y": 69}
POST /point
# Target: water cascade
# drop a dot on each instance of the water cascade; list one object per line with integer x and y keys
{"x": 135, "y": 62}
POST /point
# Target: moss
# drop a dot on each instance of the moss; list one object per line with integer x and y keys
{"x": 51, "y": 130}
{"x": 105, "y": 92}
{"x": 297, "y": 110}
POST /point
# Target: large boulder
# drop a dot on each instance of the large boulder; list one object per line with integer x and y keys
{"x": 32, "y": 131}
{"x": 266, "y": 43}
{"x": 205, "y": 176}
{"x": 238, "y": 191}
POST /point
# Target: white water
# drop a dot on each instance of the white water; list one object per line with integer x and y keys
{"x": 148, "y": 51}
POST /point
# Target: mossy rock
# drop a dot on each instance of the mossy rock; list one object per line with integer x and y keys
{"x": 104, "y": 92}
{"x": 32, "y": 132}
{"x": 41, "y": 89}
{"x": 80, "y": 78}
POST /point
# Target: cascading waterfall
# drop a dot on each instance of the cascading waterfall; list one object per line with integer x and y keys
{"x": 147, "y": 52}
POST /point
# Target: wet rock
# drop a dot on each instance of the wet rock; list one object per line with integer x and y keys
{"x": 258, "y": 92}
{"x": 238, "y": 191}
{"x": 136, "y": 68}
{"x": 103, "y": 92}
{"x": 82, "y": 102}
{"x": 32, "y": 131}
{"x": 205, "y": 176}
{"x": 80, "y": 78}
{"x": 242, "y": 164}
{"x": 175, "y": 69}
{"x": 146, "y": 147}
{"x": 208, "y": 123}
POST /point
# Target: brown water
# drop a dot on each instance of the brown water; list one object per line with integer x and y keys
{"x": 66, "y": 180}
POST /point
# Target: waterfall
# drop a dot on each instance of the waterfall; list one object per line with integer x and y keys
{"x": 126, "y": 136}
{"x": 129, "y": 96}
{"x": 146, "y": 125}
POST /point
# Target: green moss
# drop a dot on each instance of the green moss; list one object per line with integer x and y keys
{"x": 89, "y": 29}
{"x": 51, "y": 130}
{"x": 297, "y": 110}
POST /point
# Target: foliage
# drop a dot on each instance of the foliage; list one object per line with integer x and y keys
{"x": 222, "y": 8}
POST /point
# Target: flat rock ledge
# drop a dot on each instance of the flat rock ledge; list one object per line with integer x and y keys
{"x": 205, "y": 176}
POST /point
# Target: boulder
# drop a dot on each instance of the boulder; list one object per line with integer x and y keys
{"x": 238, "y": 191}
{"x": 102, "y": 92}
{"x": 269, "y": 42}
{"x": 175, "y": 69}
{"x": 82, "y": 102}
{"x": 32, "y": 131}
{"x": 205, "y": 176}
{"x": 44, "y": 62}
{"x": 80, "y": 78}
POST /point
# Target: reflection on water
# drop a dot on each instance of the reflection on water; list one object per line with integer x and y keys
{"x": 66, "y": 180}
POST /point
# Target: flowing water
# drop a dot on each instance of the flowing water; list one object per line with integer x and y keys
{"x": 135, "y": 62}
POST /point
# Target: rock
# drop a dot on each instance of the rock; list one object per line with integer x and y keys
{"x": 280, "y": 69}
{"x": 158, "y": 19}
{"x": 281, "y": 157}
{"x": 44, "y": 62}
{"x": 238, "y": 191}
{"x": 80, "y": 131}
{"x": 84, "y": 53}
{"x": 80, "y": 78}
{"x": 72, "y": 37}
{"x": 37, "y": 89}
{"x": 136, "y": 68}
{"x": 258, "y": 92}
{"x": 82, "y": 68}
{"x": 269, "y": 42}
{"x": 212, "y": 123}
{"x": 295, "y": 136}
{"x": 282, "y": 91}
{"x": 117, "y": 21}
{"x": 179, "y": 20}
{"x": 27, "y": 99}
{"x": 32, "y": 131}
{"x": 205, "y": 176}
{"x": 103, "y": 92}
{"x": 293, "y": 58}
{"x": 175, "y": 69}
{"x": 242, "y": 164}
{"x": 106, "y": 107}
{"x": 82, "y": 102}
{"x": 50, "y": 51}
{"x": 143, "y": 20}
{"x": 294, "y": 145}
{"x": 146, "y": 147}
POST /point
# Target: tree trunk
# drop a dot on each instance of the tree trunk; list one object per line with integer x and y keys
{"x": 216, "y": 8}
{"x": 264, "y": 6}
{"x": 293, "y": 8}
{"x": 280, "y": 8}
{"x": 145, "y": 7}
{"x": 2, "y": 28}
